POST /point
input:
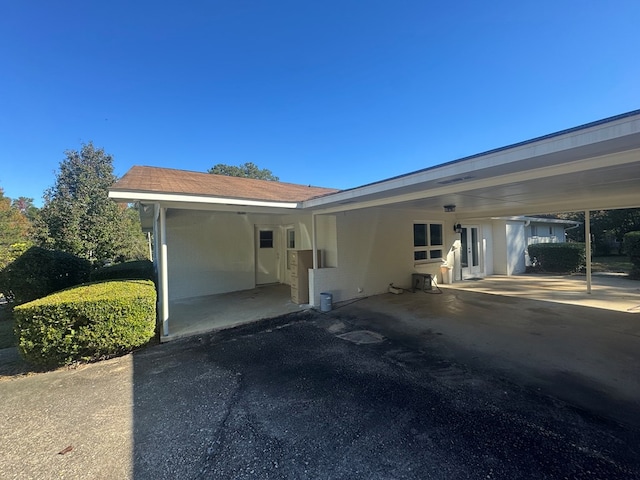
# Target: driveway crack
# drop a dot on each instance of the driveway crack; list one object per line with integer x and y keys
{"x": 216, "y": 443}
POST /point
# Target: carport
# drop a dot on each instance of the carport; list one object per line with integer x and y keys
{"x": 591, "y": 167}
{"x": 364, "y": 233}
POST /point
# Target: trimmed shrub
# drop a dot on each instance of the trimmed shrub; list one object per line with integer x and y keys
{"x": 135, "y": 270}
{"x": 631, "y": 245}
{"x": 39, "y": 272}
{"x": 88, "y": 322}
{"x": 558, "y": 257}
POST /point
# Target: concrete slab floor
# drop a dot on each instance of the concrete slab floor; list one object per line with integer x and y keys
{"x": 196, "y": 315}
{"x": 586, "y": 356}
{"x": 611, "y": 292}
{"x": 192, "y": 316}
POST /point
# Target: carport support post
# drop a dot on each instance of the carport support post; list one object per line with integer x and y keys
{"x": 314, "y": 242}
{"x": 164, "y": 276}
{"x": 587, "y": 244}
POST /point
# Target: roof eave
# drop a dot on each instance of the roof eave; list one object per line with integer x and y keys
{"x": 131, "y": 196}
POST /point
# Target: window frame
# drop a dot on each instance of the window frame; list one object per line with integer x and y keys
{"x": 429, "y": 250}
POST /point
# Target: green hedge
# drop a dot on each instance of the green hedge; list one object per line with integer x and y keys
{"x": 87, "y": 322}
{"x": 631, "y": 245}
{"x": 138, "y": 269}
{"x": 39, "y": 272}
{"x": 558, "y": 257}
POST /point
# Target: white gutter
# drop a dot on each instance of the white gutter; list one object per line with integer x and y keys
{"x": 172, "y": 197}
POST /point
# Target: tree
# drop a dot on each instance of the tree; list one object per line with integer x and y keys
{"x": 246, "y": 170}
{"x": 608, "y": 227}
{"x": 79, "y": 218}
{"x": 14, "y": 226}
{"x": 25, "y": 206}
{"x": 14, "y": 231}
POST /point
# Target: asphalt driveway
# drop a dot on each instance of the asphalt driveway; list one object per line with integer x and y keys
{"x": 302, "y": 396}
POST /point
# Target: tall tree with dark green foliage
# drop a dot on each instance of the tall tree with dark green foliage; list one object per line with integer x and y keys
{"x": 79, "y": 218}
{"x": 246, "y": 170}
{"x": 606, "y": 225}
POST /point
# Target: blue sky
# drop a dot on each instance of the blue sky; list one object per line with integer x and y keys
{"x": 329, "y": 93}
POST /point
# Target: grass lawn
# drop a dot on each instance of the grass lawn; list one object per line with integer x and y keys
{"x": 614, "y": 263}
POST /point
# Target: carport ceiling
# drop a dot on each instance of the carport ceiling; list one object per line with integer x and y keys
{"x": 603, "y": 188}
{"x": 596, "y": 166}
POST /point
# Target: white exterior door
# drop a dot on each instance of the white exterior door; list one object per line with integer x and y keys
{"x": 470, "y": 251}
{"x": 267, "y": 254}
{"x": 290, "y": 246}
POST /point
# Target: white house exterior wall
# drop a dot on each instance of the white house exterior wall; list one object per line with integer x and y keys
{"x": 327, "y": 239}
{"x": 375, "y": 248}
{"x": 214, "y": 252}
{"x": 516, "y": 247}
{"x": 500, "y": 264}
{"x": 487, "y": 248}
{"x": 209, "y": 253}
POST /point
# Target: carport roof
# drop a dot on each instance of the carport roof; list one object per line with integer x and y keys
{"x": 593, "y": 166}
{"x": 590, "y": 167}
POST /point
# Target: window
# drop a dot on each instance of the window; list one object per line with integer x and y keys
{"x": 539, "y": 231}
{"x": 266, "y": 238}
{"x": 428, "y": 239}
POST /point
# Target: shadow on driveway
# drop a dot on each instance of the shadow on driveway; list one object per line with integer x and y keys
{"x": 423, "y": 386}
{"x": 292, "y": 398}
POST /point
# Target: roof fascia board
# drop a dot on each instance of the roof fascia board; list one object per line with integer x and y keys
{"x": 132, "y": 196}
{"x": 528, "y": 175}
{"x": 573, "y": 139}
{"x": 235, "y": 209}
{"x": 533, "y": 219}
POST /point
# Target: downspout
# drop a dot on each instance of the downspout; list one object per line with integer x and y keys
{"x": 314, "y": 248}
{"x": 163, "y": 273}
{"x": 150, "y": 247}
{"x": 587, "y": 243}
{"x": 314, "y": 243}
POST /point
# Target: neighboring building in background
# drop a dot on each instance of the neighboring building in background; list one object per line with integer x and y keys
{"x": 515, "y": 234}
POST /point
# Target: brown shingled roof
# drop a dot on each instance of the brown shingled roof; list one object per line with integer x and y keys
{"x": 167, "y": 180}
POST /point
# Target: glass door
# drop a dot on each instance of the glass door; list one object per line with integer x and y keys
{"x": 290, "y": 245}
{"x": 470, "y": 252}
